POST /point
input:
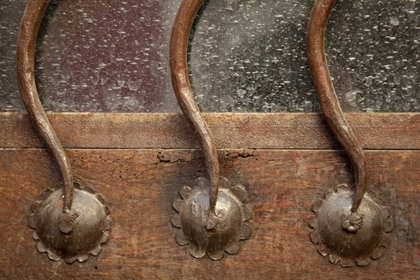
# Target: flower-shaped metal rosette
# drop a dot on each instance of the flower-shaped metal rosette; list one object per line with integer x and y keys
{"x": 89, "y": 221}
{"x": 228, "y": 225}
{"x": 332, "y": 236}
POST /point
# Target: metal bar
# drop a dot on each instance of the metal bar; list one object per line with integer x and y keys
{"x": 328, "y": 98}
{"x": 28, "y": 33}
{"x": 182, "y": 87}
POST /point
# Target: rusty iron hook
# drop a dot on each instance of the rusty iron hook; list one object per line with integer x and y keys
{"x": 182, "y": 87}
{"x": 329, "y": 101}
{"x": 211, "y": 214}
{"x": 69, "y": 211}
{"x": 28, "y": 34}
{"x": 349, "y": 225}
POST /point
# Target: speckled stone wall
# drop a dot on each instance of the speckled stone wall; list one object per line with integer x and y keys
{"x": 246, "y": 56}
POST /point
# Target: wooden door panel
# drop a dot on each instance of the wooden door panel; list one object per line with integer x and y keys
{"x": 139, "y": 186}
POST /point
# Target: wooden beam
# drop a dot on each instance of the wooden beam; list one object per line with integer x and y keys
{"x": 231, "y": 131}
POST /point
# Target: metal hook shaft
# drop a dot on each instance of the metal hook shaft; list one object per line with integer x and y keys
{"x": 328, "y": 98}
{"x": 182, "y": 87}
{"x": 28, "y": 33}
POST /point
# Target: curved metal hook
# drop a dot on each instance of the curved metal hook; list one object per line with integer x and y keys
{"x": 28, "y": 33}
{"x": 328, "y": 98}
{"x": 54, "y": 227}
{"x": 182, "y": 87}
{"x": 202, "y": 229}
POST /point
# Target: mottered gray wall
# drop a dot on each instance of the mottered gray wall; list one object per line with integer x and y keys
{"x": 246, "y": 56}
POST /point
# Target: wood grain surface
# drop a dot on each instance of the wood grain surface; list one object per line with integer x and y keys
{"x": 139, "y": 186}
{"x": 231, "y": 131}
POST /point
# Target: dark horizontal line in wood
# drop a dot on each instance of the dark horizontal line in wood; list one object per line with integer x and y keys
{"x": 231, "y": 130}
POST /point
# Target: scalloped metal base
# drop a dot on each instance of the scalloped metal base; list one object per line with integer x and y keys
{"x": 89, "y": 229}
{"x": 344, "y": 246}
{"x": 227, "y": 225}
